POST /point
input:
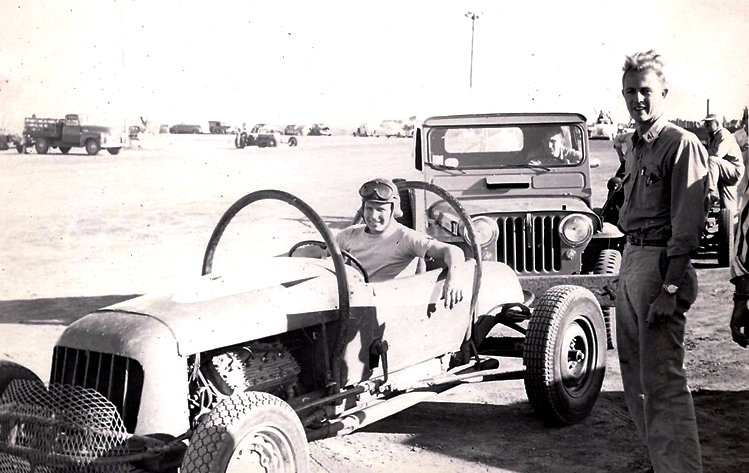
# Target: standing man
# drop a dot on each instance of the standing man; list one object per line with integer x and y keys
{"x": 663, "y": 215}
{"x": 740, "y": 269}
{"x": 726, "y": 162}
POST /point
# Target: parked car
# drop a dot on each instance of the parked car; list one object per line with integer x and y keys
{"x": 536, "y": 218}
{"x": 603, "y": 128}
{"x": 262, "y": 136}
{"x": 218, "y": 128}
{"x": 186, "y": 129}
{"x": 390, "y": 128}
{"x": 237, "y": 372}
{"x": 364, "y": 130}
{"x": 319, "y": 129}
{"x": 292, "y": 130}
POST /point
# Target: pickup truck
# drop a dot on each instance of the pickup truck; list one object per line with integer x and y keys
{"x": 67, "y": 133}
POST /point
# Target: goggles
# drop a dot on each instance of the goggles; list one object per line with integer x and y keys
{"x": 378, "y": 190}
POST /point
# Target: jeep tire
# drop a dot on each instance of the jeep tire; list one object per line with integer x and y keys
{"x": 41, "y": 146}
{"x": 609, "y": 262}
{"x": 92, "y": 147}
{"x": 565, "y": 355}
{"x": 725, "y": 237}
{"x": 248, "y": 431}
{"x": 10, "y": 371}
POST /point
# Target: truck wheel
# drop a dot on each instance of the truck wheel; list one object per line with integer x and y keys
{"x": 10, "y": 370}
{"x": 565, "y": 355}
{"x": 725, "y": 237}
{"x": 64, "y": 149}
{"x": 21, "y": 149}
{"x": 92, "y": 147}
{"x": 114, "y": 151}
{"x": 41, "y": 146}
{"x": 292, "y": 141}
{"x": 250, "y": 431}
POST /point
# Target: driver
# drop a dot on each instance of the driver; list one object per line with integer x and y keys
{"x": 385, "y": 247}
{"x": 554, "y": 150}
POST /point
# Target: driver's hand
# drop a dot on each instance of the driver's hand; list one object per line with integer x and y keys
{"x": 452, "y": 290}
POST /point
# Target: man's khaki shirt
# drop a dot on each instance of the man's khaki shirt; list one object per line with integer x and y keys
{"x": 666, "y": 188}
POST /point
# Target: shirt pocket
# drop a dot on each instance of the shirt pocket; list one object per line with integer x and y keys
{"x": 654, "y": 185}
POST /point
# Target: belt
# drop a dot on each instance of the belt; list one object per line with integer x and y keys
{"x": 642, "y": 242}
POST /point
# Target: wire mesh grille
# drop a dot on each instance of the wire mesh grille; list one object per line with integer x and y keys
{"x": 60, "y": 429}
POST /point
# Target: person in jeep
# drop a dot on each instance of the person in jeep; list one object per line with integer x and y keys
{"x": 386, "y": 248}
{"x": 554, "y": 150}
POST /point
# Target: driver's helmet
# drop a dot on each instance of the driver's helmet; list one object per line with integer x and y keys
{"x": 383, "y": 191}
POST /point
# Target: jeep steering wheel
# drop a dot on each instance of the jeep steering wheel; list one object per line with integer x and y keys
{"x": 347, "y": 257}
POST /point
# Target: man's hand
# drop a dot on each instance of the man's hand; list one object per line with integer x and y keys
{"x": 662, "y": 308}
{"x": 452, "y": 290}
{"x": 740, "y": 323}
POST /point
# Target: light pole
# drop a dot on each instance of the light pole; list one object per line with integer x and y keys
{"x": 473, "y": 16}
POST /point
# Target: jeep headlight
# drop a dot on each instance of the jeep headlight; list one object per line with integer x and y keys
{"x": 485, "y": 229}
{"x": 575, "y": 229}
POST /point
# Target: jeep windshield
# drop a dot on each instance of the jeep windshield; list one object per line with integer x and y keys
{"x": 491, "y": 147}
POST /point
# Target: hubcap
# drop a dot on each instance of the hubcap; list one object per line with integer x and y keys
{"x": 576, "y": 353}
{"x": 266, "y": 450}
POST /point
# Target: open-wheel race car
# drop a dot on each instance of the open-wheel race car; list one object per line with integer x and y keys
{"x": 238, "y": 372}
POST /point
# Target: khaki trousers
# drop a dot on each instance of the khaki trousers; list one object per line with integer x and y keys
{"x": 652, "y": 362}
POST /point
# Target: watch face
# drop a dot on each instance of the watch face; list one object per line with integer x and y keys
{"x": 671, "y": 289}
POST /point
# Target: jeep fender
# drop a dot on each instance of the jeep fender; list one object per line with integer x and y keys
{"x": 499, "y": 286}
{"x": 608, "y": 230}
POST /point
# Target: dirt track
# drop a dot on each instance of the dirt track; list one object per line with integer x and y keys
{"x": 80, "y": 232}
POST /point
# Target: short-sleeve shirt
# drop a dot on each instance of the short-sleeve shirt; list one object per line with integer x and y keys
{"x": 384, "y": 255}
{"x": 665, "y": 188}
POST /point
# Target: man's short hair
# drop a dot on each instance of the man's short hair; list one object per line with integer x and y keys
{"x": 643, "y": 61}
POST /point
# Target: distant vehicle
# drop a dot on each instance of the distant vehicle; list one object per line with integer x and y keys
{"x": 264, "y": 136}
{"x": 134, "y": 131}
{"x": 218, "y": 128}
{"x": 66, "y": 133}
{"x": 318, "y": 129}
{"x": 390, "y": 128}
{"x": 185, "y": 129}
{"x": 364, "y": 130}
{"x": 292, "y": 130}
{"x": 11, "y": 140}
{"x": 603, "y": 128}
{"x": 163, "y": 129}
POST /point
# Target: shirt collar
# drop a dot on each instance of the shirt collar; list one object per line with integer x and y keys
{"x": 653, "y": 132}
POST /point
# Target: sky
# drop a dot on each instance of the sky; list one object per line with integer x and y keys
{"x": 344, "y": 62}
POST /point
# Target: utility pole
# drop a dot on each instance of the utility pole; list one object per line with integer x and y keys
{"x": 473, "y": 17}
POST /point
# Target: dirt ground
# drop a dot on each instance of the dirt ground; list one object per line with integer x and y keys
{"x": 79, "y": 232}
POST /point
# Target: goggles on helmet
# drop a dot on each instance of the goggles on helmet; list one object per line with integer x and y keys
{"x": 378, "y": 189}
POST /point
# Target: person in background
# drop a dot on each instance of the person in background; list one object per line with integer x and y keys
{"x": 554, "y": 150}
{"x": 663, "y": 215}
{"x": 726, "y": 162}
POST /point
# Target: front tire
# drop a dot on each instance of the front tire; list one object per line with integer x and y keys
{"x": 292, "y": 141}
{"x": 248, "y": 431}
{"x": 10, "y": 371}
{"x": 565, "y": 355}
{"x": 41, "y": 146}
{"x": 92, "y": 147}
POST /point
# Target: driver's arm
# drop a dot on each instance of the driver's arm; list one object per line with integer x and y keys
{"x": 453, "y": 258}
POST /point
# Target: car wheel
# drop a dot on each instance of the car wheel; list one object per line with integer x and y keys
{"x": 114, "y": 151}
{"x": 250, "y": 431}
{"x": 92, "y": 147}
{"x": 565, "y": 355}
{"x": 725, "y": 237}
{"x": 64, "y": 149}
{"x": 41, "y": 146}
{"x": 292, "y": 141}
{"x": 10, "y": 371}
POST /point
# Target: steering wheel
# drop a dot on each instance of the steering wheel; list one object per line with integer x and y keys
{"x": 348, "y": 257}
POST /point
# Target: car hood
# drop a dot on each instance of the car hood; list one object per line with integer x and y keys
{"x": 278, "y": 295}
{"x": 508, "y": 205}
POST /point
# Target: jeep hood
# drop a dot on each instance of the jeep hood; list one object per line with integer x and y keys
{"x": 507, "y": 205}
{"x": 278, "y": 295}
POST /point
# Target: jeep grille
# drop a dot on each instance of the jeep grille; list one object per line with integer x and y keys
{"x": 117, "y": 378}
{"x": 530, "y": 244}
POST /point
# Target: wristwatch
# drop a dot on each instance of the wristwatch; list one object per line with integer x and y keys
{"x": 670, "y": 288}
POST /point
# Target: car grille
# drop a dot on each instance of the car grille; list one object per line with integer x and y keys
{"x": 530, "y": 244}
{"x": 117, "y": 378}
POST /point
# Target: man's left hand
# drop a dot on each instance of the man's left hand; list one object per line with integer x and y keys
{"x": 662, "y": 308}
{"x": 740, "y": 323}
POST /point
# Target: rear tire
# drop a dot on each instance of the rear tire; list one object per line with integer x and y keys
{"x": 41, "y": 146}
{"x": 92, "y": 147}
{"x": 292, "y": 141}
{"x": 64, "y": 149}
{"x": 250, "y": 431}
{"x": 114, "y": 151}
{"x": 565, "y": 355}
{"x": 725, "y": 237}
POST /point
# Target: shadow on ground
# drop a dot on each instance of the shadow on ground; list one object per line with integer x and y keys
{"x": 54, "y": 311}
